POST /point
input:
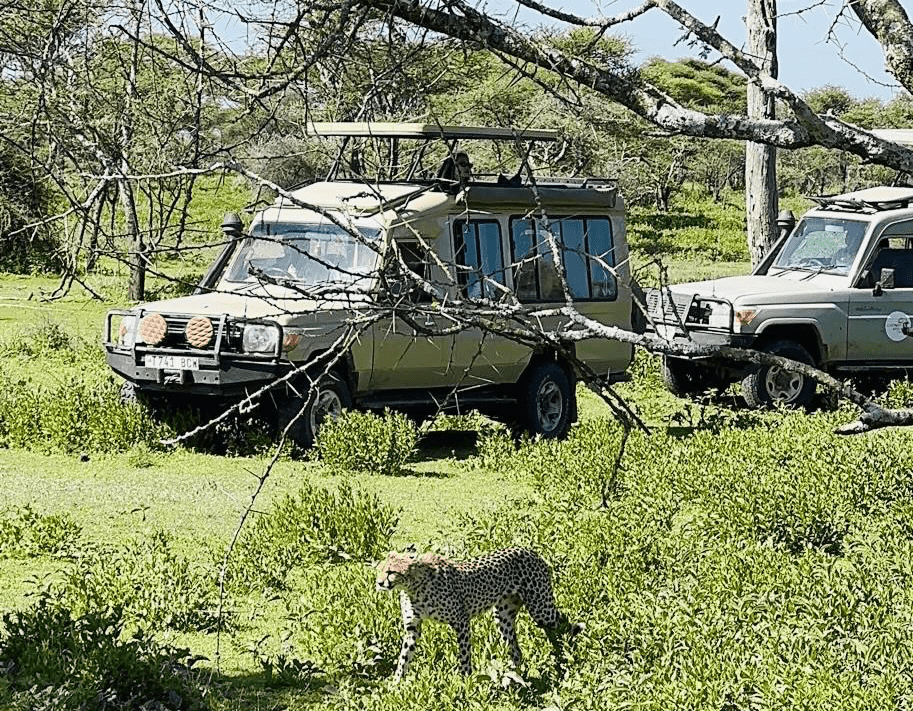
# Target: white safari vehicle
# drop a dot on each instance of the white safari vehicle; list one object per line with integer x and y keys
{"x": 282, "y": 296}
{"x": 835, "y": 292}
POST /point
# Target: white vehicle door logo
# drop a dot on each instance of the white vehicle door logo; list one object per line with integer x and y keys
{"x": 897, "y": 326}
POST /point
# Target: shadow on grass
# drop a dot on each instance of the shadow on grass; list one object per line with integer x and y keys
{"x": 260, "y": 690}
{"x": 437, "y": 444}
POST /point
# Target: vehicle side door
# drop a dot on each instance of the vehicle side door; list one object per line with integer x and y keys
{"x": 409, "y": 350}
{"x": 880, "y": 312}
{"x": 483, "y": 356}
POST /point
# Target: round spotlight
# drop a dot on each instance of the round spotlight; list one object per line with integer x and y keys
{"x": 199, "y": 332}
{"x": 152, "y": 329}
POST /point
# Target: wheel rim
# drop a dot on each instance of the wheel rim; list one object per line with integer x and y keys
{"x": 782, "y": 385}
{"x": 327, "y": 405}
{"x": 549, "y": 405}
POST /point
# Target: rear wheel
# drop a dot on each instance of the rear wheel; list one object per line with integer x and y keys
{"x": 769, "y": 384}
{"x": 327, "y": 401}
{"x": 547, "y": 401}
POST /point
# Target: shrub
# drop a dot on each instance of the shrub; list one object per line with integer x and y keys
{"x": 363, "y": 441}
{"x": 81, "y": 413}
{"x": 313, "y": 525}
{"x": 57, "y": 660}
{"x": 153, "y": 584}
{"x": 24, "y": 533}
{"x": 47, "y": 338}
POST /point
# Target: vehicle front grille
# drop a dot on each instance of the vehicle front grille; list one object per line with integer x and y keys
{"x": 666, "y": 307}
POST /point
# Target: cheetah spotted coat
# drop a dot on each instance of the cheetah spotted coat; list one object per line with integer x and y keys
{"x": 432, "y": 587}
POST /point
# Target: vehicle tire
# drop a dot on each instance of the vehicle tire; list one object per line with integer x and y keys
{"x": 683, "y": 378}
{"x": 547, "y": 401}
{"x": 332, "y": 396}
{"x": 768, "y": 384}
{"x": 155, "y": 405}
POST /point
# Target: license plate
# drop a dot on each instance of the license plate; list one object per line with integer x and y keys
{"x": 171, "y": 362}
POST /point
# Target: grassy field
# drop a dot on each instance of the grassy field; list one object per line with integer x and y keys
{"x": 738, "y": 561}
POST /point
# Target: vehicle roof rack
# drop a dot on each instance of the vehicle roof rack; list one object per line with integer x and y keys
{"x": 428, "y": 131}
{"x": 869, "y": 200}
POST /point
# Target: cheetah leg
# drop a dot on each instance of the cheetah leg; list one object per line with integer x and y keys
{"x": 547, "y": 616}
{"x": 506, "y": 614}
{"x": 410, "y": 640}
{"x": 461, "y": 627}
{"x": 413, "y": 627}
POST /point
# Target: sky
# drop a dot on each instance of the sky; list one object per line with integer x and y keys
{"x": 807, "y": 60}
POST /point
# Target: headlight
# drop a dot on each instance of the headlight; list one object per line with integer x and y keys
{"x": 260, "y": 338}
{"x": 126, "y": 332}
{"x": 715, "y": 314}
{"x": 719, "y": 315}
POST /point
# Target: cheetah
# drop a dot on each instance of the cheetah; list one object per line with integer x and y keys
{"x": 432, "y": 587}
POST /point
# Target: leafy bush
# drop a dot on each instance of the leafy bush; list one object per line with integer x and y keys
{"x": 24, "y": 533}
{"x": 365, "y": 442}
{"x": 149, "y": 580}
{"x": 313, "y": 525}
{"x": 899, "y": 394}
{"x": 81, "y": 413}
{"x": 56, "y": 660}
{"x": 45, "y": 339}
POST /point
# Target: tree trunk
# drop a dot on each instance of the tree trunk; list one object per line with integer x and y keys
{"x": 137, "y": 248}
{"x": 761, "y": 160}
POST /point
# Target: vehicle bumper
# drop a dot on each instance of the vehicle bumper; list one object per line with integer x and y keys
{"x": 708, "y": 338}
{"x": 227, "y": 378}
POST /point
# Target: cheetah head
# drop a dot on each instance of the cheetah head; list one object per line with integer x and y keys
{"x": 407, "y": 570}
{"x": 393, "y": 570}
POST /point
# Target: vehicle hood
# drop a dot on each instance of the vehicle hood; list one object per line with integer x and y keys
{"x": 763, "y": 289}
{"x": 268, "y": 302}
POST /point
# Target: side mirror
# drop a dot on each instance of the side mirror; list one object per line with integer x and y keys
{"x": 885, "y": 281}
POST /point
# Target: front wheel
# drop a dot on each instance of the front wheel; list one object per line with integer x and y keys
{"x": 769, "y": 384}
{"x": 326, "y": 401}
{"x": 683, "y": 378}
{"x": 547, "y": 402}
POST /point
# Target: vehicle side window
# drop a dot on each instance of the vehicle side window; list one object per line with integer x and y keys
{"x": 478, "y": 251}
{"x": 587, "y": 251}
{"x": 416, "y": 258}
{"x": 893, "y": 253}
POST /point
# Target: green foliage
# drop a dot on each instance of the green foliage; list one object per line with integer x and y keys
{"x": 698, "y": 85}
{"x": 772, "y": 552}
{"x": 24, "y": 200}
{"x": 313, "y": 525}
{"x": 695, "y": 227}
{"x": 148, "y": 580}
{"x": 899, "y": 394}
{"x": 25, "y": 533}
{"x": 336, "y": 619}
{"x": 46, "y": 338}
{"x": 57, "y": 660}
{"x": 77, "y": 414}
{"x": 365, "y": 442}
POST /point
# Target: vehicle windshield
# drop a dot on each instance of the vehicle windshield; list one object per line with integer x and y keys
{"x": 312, "y": 255}
{"x": 827, "y": 244}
